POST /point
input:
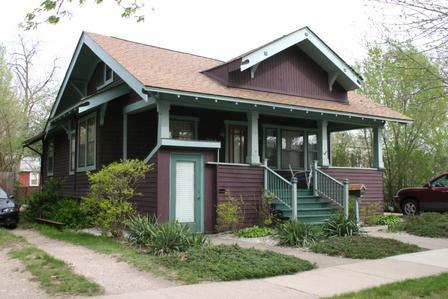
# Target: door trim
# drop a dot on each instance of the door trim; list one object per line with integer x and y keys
{"x": 199, "y": 183}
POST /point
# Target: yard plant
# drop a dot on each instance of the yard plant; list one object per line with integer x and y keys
{"x": 230, "y": 213}
{"x": 434, "y": 225}
{"x": 297, "y": 233}
{"x": 339, "y": 226}
{"x": 363, "y": 247}
{"x": 255, "y": 232}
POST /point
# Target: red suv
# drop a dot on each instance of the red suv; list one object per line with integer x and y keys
{"x": 433, "y": 196}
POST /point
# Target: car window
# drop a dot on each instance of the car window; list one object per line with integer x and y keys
{"x": 3, "y": 194}
{"x": 440, "y": 182}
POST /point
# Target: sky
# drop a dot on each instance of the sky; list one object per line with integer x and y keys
{"x": 216, "y": 29}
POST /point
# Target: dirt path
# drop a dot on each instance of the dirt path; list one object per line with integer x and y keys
{"x": 16, "y": 283}
{"x": 321, "y": 260}
{"x": 115, "y": 277}
{"x": 423, "y": 242}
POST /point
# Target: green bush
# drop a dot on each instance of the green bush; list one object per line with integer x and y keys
{"x": 255, "y": 232}
{"x": 163, "y": 238}
{"x": 50, "y": 204}
{"x": 434, "y": 225}
{"x": 230, "y": 213}
{"x": 265, "y": 211}
{"x": 395, "y": 227}
{"x": 111, "y": 189}
{"x": 383, "y": 220}
{"x": 297, "y": 233}
{"x": 337, "y": 225}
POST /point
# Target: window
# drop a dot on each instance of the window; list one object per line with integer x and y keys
{"x": 50, "y": 158}
{"x": 292, "y": 150}
{"x": 108, "y": 75}
{"x": 271, "y": 147}
{"x": 441, "y": 182}
{"x": 312, "y": 149}
{"x": 182, "y": 129}
{"x": 237, "y": 143}
{"x": 72, "y": 153}
{"x": 34, "y": 179}
{"x": 87, "y": 143}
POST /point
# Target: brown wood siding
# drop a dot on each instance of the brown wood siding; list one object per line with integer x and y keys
{"x": 142, "y": 133}
{"x": 146, "y": 203}
{"x": 371, "y": 178}
{"x": 245, "y": 182}
{"x": 163, "y": 184}
{"x": 97, "y": 80}
{"x": 289, "y": 72}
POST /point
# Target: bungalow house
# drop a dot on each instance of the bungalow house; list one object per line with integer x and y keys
{"x": 211, "y": 126}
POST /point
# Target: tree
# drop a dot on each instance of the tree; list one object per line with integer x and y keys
{"x": 11, "y": 118}
{"x": 51, "y": 11}
{"x": 401, "y": 78}
{"x": 424, "y": 23}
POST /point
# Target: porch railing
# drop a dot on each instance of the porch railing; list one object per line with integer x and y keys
{"x": 326, "y": 186}
{"x": 284, "y": 191}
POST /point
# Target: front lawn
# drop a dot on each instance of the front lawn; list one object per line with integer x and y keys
{"x": 427, "y": 287}
{"x": 362, "y": 247}
{"x": 434, "y": 225}
{"x": 196, "y": 264}
{"x": 55, "y": 276}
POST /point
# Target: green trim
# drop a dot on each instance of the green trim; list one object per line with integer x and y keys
{"x": 190, "y": 143}
{"x": 197, "y": 159}
{"x": 87, "y": 167}
{"x": 139, "y": 106}
{"x": 104, "y": 97}
{"x": 192, "y": 119}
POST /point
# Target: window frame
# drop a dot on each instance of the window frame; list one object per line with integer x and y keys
{"x": 72, "y": 134}
{"x": 228, "y": 123}
{"x": 108, "y": 81}
{"x": 37, "y": 177}
{"x": 79, "y": 121}
{"x": 50, "y": 145}
{"x": 192, "y": 119}
{"x": 279, "y": 129}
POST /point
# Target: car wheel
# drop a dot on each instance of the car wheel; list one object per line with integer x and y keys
{"x": 410, "y": 207}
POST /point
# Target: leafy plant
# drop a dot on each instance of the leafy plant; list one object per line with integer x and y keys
{"x": 434, "y": 225}
{"x": 395, "y": 227}
{"x": 230, "y": 213}
{"x": 163, "y": 238}
{"x": 337, "y": 225}
{"x": 265, "y": 210}
{"x": 297, "y": 233}
{"x": 111, "y": 189}
{"x": 377, "y": 219}
{"x": 68, "y": 211}
{"x": 255, "y": 232}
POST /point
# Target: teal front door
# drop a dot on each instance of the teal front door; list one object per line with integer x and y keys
{"x": 186, "y": 190}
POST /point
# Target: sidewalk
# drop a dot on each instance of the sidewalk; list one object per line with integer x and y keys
{"x": 316, "y": 283}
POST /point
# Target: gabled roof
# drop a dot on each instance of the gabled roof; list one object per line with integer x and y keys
{"x": 153, "y": 68}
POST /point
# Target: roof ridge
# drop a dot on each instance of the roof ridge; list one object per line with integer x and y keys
{"x": 153, "y": 46}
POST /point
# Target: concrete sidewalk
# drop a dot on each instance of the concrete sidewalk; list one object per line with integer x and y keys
{"x": 316, "y": 283}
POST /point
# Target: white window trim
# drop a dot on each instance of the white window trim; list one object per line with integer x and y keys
{"x": 193, "y": 119}
{"x": 91, "y": 167}
{"x": 51, "y": 142}
{"x": 38, "y": 179}
{"x": 106, "y": 82}
{"x": 70, "y": 134}
{"x": 279, "y": 128}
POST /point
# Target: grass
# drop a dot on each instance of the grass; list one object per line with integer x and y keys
{"x": 225, "y": 262}
{"x": 427, "y": 287}
{"x": 363, "y": 247}
{"x": 434, "y": 225}
{"x": 53, "y": 275}
{"x": 215, "y": 263}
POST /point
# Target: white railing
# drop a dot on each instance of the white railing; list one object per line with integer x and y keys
{"x": 330, "y": 188}
{"x": 284, "y": 191}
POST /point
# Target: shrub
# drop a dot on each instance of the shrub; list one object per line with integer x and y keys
{"x": 69, "y": 212}
{"x": 370, "y": 210}
{"x": 383, "y": 220}
{"x": 111, "y": 189}
{"x": 255, "y": 232}
{"x": 434, "y": 225}
{"x": 297, "y": 233}
{"x": 230, "y": 213}
{"x": 265, "y": 210}
{"x": 163, "y": 238}
{"x": 395, "y": 227}
{"x": 337, "y": 225}
{"x": 363, "y": 247}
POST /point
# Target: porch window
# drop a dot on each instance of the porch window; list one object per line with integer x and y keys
{"x": 184, "y": 129}
{"x": 50, "y": 158}
{"x": 271, "y": 147}
{"x": 237, "y": 143}
{"x": 292, "y": 150}
{"x": 87, "y": 143}
{"x": 312, "y": 149}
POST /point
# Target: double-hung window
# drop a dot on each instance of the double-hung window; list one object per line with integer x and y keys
{"x": 87, "y": 143}
{"x": 34, "y": 179}
{"x": 50, "y": 158}
{"x": 72, "y": 150}
{"x": 292, "y": 149}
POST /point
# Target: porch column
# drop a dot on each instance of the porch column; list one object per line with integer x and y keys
{"x": 253, "y": 155}
{"x": 163, "y": 124}
{"x": 322, "y": 143}
{"x": 378, "y": 147}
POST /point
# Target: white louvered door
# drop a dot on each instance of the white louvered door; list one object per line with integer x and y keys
{"x": 185, "y": 191}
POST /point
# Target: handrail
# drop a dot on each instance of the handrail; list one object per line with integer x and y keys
{"x": 279, "y": 186}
